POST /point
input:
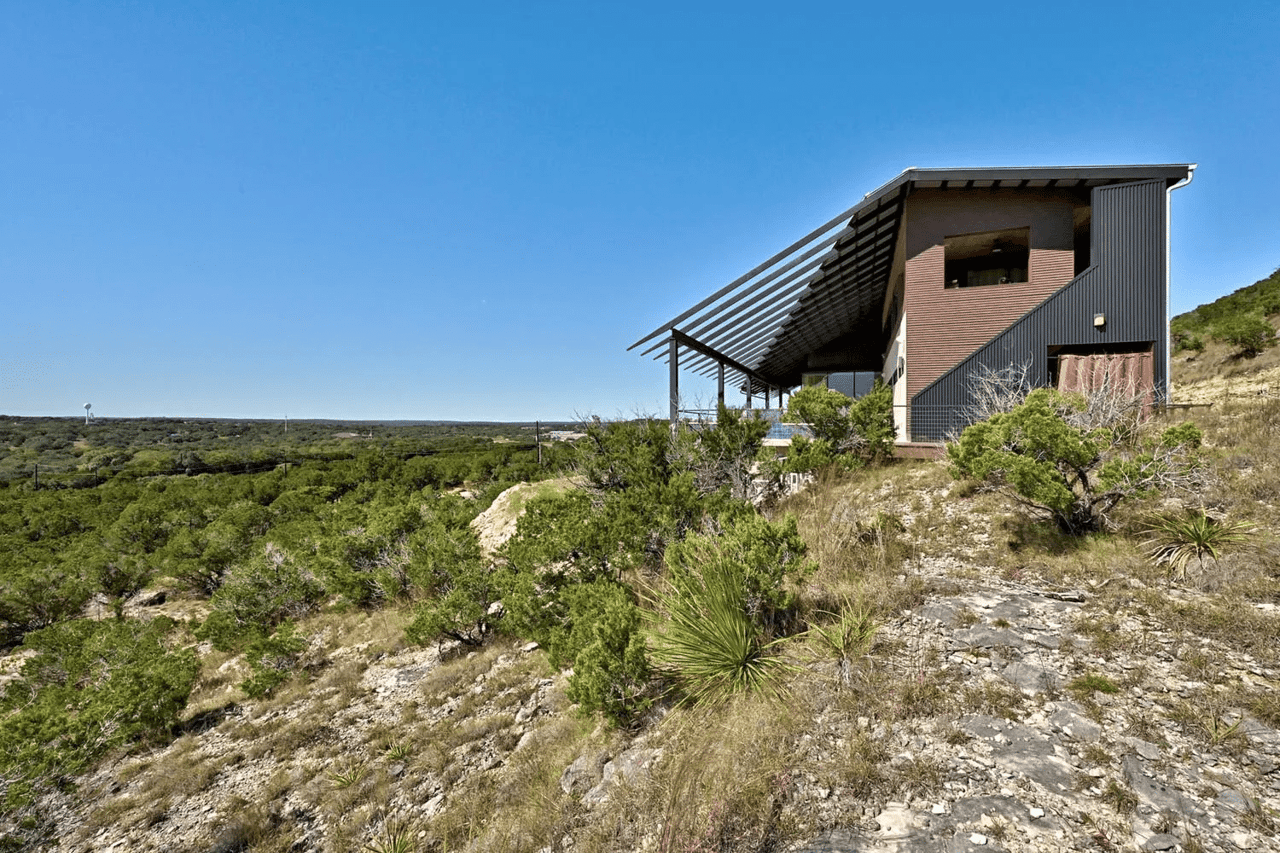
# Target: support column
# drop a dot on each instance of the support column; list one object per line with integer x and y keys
{"x": 674, "y": 381}
{"x": 720, "y": 384}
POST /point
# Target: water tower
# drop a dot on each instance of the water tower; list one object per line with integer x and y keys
{"x": 86, "y": 413}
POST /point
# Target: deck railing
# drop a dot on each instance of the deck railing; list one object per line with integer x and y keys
{"x": 778, "y": 427}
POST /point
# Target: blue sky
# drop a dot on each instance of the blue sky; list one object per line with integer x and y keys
{"x": 427, "y": 210}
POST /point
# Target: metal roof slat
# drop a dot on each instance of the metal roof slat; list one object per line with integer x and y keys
{"x": 750, "y": 275}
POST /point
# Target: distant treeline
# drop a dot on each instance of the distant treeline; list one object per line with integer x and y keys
{"x": 67, "y": 452}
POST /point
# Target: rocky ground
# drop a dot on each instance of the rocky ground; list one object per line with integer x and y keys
{"x": 1042, "y": 765}
{"x": 1109, "y": 771}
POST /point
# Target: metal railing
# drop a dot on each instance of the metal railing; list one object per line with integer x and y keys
{"x": 937, "y": 423}
{"x": 779, "y": 429}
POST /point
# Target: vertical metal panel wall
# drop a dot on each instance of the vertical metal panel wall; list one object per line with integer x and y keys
{"x": 1126, "y": 282}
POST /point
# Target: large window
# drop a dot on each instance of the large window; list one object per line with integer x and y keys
{"x": 989, "y": 257}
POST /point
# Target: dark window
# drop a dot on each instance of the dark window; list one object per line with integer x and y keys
{"x": 989, "y": 257}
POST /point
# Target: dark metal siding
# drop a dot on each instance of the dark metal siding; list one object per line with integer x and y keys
{"x": 1127, "y": 282}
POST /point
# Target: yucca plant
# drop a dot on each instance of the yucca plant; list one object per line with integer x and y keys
{"x": 709, "y": 642}
{"x": 395, "y": 837}
{"x": 1174, "y": 540}
{"x": 848, "y": 635}
{"x": 341, "y": 779}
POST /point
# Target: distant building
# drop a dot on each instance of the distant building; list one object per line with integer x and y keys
{"x": 941, "y": 273}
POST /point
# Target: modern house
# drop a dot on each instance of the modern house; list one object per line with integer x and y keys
{"x": 942, "y": 273}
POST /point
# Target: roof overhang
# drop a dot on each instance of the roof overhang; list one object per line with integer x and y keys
{"x": 832, "y": 282}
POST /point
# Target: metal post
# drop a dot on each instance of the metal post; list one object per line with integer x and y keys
{"x": 720, "y": 384}
{"x": 674, "y": 381}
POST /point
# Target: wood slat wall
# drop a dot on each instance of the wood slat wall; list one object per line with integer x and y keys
{"x": 945, "y": 326}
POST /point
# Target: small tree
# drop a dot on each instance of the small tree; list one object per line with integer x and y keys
{"x": 1249, "y": 333}
{"x": 861, "y": 429}
{"x": 1046, "y": 456}
{"x": 720, "y": 457}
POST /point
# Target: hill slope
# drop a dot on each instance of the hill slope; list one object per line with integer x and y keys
{"x": 1030, "y": 693}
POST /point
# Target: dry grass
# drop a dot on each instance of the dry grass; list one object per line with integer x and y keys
{"x": 1244, "y": 438}
{"x": 182, "y": 771}
{"x": 1217, "y": 374}
{"x": 521, "y": 807}
{"x": 861, "y": 555}
{"x": 686, "y": 804}
{"x": 372, "y": 632}
{"x": 1233, "y": 622}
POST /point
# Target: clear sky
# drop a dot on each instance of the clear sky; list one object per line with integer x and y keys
{"x": 442, "y": 210}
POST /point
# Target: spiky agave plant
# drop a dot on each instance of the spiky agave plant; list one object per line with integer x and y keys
{"x": 1175, "y": 539}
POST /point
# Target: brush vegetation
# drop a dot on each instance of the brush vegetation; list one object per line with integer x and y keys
{"x": 1241, "y": 320}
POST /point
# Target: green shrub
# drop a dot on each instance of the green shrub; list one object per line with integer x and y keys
{"x": 259, "y": 594}
{"x": 202, "y": 557}
{"x": 90, "y": 687}
{"x": 806, "y": 455}
{"x": 1045, "y": 456}
{"x": 610, "y": 664}
{"x": 448, "y": 574}
{"x": 368, "y": 562}
{"x": 862, "y": 428}
{"x": 1185, "y": 341}
{"x": 272, "y": 660}
{"x": 37, "y": 596}
{"x": 554, "y": 529}
{"x": 460, "y": 609}
{"x": 619, "y": 455}
{"x": 1248, "y": 333}
{"x": 764, "y": 559}
{"x": 720, "y": 457}
{"x": 872, "y": 418}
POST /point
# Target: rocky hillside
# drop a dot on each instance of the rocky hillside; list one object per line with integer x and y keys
{"x": 1029, "y": 691}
